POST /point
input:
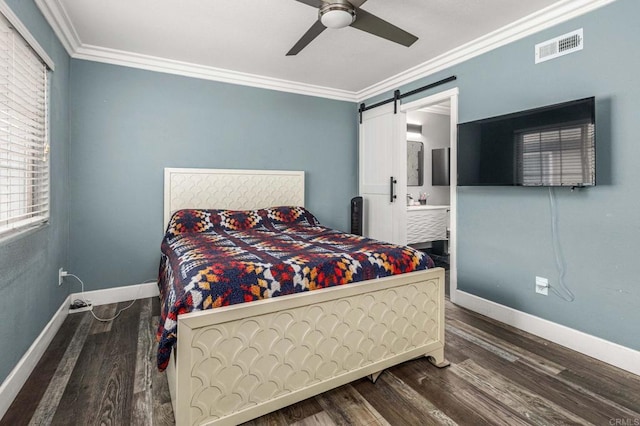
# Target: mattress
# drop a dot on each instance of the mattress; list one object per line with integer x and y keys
{"x": 213, "y": 258}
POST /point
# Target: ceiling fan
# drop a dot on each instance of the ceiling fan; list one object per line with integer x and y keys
{"x": 343, "y": 13}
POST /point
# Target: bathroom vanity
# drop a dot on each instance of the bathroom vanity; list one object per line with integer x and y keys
{"x": 427, "y": 223}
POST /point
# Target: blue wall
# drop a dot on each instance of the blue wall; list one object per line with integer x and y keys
{"x": 504, "y": 234}
{"x": 129, "y": 124}
{"x": 29, "y": 292}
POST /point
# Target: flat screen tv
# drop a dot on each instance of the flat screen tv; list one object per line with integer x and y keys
{"x": 549, "y": 146}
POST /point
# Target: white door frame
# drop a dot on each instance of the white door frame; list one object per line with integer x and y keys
{"x": 452, "y": 96}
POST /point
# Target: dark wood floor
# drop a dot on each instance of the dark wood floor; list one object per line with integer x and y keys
{"x": 97, "y": 373}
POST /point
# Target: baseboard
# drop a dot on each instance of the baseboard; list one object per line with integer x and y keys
{"x": 595, "y": 347}
{"x": 21, "y": 372}
{"x": 119, "y": 294}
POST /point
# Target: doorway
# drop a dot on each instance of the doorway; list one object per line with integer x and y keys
{"x": 436, "y": 117}
{"x": 383, "y": 174}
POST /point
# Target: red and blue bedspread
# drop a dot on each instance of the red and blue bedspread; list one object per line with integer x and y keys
{"x": 213, "y": 258}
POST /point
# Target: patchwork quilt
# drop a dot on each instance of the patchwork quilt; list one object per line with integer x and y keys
{"x": 213, "y": 258}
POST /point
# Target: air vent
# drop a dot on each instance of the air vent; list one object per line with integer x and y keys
{"x": 559, "y": 46}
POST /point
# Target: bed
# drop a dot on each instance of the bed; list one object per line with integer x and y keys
{"x": 233, "y": 363}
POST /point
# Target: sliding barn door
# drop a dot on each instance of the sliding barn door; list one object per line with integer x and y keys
{"x": 383, "y": 174}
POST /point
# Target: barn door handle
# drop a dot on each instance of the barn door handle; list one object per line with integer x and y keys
{"x": 392, "y": 181}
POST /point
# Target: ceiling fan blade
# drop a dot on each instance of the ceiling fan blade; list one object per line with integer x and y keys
{"x": 365, "y": 21}
{"x": 307, "y": 38}
{"x": 312, "y": 3}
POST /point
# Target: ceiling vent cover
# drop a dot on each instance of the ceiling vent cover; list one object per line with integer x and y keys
{"x": 559, "y": 46}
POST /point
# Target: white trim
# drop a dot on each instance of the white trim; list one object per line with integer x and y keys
{"x": 453, "y": 197}
{"x": 424, "y": 103}
{"x": 57, "y": 16}
{"x": 23, "y": 369}
{"x": 557, "y": 13}
{"x": 24, "y": 32}
{"x": 545, "y": 18}
{"x": 119, "y": 294}
{"x": 437, "y": 109}
{"x": 421, "y": 105}
{"x": 595, "y": 347}
{"x": 187, "y": 69}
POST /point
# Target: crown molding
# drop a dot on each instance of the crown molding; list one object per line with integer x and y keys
{"x": 530, "y": 24}
{"x": 559, "y": 12}
{"x": 57, "y": 16}
{"x": 55, "y": 13}
{"x": 153, "y": 63}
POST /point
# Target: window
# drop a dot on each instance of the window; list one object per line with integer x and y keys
{"x": 24, "y": 147}
{"x": 557, "y": 156}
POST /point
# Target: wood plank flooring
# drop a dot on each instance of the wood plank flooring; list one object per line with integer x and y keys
{"x": 97, "y": 373}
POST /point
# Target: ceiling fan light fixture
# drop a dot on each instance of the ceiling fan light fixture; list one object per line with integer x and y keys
{"x": 336, "y": 15}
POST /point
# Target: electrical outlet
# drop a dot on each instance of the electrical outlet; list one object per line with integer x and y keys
{"x": 542, "y": 286}
{"x": 61, "y": 274}
{"x": 82, "y": 309}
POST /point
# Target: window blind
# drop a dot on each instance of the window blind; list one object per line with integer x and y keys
{"x": 24, "y": 149}
{"x": 558, "y": 156}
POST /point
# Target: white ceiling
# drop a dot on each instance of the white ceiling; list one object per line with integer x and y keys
{"x": 238, "y": 37}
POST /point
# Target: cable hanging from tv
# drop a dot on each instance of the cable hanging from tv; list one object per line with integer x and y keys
{"x": 562, "y": 291}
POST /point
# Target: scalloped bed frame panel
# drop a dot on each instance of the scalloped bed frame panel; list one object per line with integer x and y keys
{"x": 236, "y": 363}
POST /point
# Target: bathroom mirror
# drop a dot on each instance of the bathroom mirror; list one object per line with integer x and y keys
{"x": 415, "y": 163}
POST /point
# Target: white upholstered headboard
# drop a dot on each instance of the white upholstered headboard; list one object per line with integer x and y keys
{"x": 230, "y": 189}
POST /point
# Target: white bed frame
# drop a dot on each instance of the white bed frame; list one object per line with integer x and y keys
{"x": 236, "y": 363}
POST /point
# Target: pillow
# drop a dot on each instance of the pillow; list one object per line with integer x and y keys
{"x": 238, "y": 220}
{"x": 190, "y": 221}
{"x": 198, "y": 220}
{"x": 288, "y": 215}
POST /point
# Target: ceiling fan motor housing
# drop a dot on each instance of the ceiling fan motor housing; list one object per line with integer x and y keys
{"x": 345, "y": 13}
{"x": 337, "y": 14}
